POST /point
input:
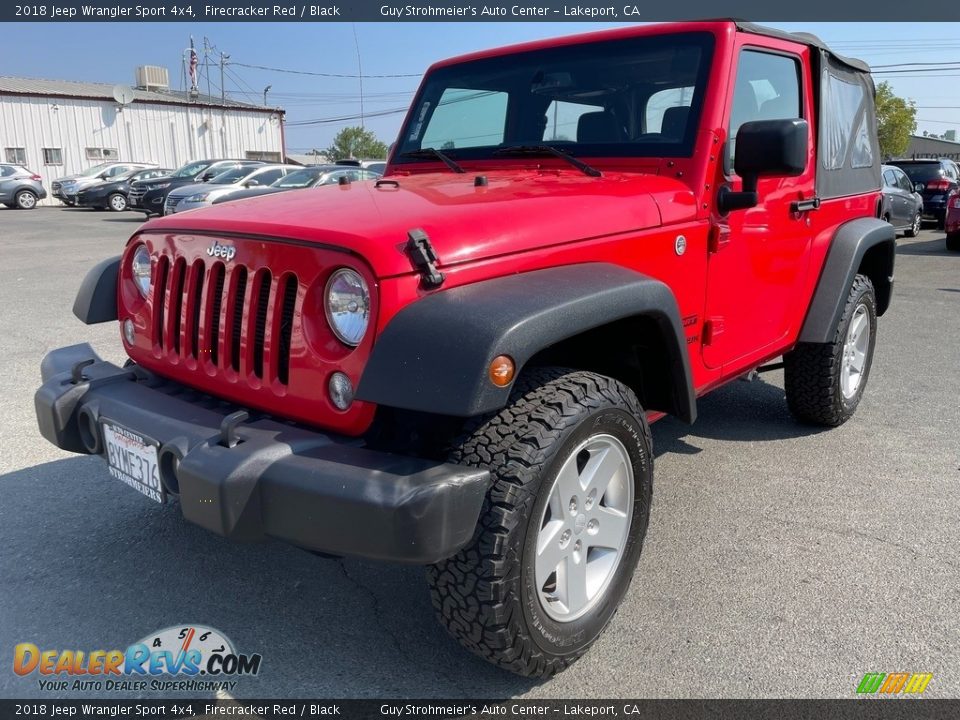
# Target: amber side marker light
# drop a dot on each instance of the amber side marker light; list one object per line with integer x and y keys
{"x": 501, "y": 370}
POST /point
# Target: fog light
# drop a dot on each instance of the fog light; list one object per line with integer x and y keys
{"x": 501, "y": 370}
{"x": 341, "y": 390}
{"x": 128, "y": 331}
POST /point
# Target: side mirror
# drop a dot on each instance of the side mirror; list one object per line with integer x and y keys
{"x": 765, "y": 148}
{"x": 918, "y": 188}
{"x": 251, "y": 183}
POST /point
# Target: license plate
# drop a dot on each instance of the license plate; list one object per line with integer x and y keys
{"x": 132, "y": 459}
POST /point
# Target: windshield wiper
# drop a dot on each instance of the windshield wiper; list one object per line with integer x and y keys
{"x": 549, "y": 150}
{"x": 430, "y": 152}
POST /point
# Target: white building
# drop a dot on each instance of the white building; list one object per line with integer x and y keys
{"x": 58, "y": 128}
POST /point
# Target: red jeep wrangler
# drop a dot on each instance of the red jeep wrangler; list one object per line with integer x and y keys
{"x": 457, "y": 365}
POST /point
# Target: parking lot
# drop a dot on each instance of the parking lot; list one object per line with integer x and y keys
{"x": 781, "y": 560}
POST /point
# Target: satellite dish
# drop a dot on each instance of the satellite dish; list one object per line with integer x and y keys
{"x": 123, "y": 94}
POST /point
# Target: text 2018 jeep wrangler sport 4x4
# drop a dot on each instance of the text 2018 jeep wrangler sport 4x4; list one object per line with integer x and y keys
{"x": 457, "y": 365}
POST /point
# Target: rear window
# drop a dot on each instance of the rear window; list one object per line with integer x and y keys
{"x": 922, "y": 172}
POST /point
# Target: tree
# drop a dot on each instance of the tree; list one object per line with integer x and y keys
{"x": 356, "y": 142}
{"x": 896, "y": 121}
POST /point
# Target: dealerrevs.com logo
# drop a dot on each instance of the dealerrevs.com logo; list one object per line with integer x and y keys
{"x": 199, "y": 658}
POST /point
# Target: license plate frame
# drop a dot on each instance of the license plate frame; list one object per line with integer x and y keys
{"x": 133, "y": 459}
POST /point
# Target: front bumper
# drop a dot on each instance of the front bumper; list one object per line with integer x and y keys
{"x": 314, "y": 490}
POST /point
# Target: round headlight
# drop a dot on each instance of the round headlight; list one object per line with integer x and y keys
{"x": 140, "y": 269}
{"x": 348, "y": 306}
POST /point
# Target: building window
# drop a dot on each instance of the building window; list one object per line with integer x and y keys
{"x": 16, "y": 156}
{"x": 102, "y": 154}
{"x": 52, "y": 156}
{"x": 263, "y": 155}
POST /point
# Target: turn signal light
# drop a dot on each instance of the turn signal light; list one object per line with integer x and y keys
{"x": 502, "y": 370}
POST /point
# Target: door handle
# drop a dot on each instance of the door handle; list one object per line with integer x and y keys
{"x": 801, "y": 206}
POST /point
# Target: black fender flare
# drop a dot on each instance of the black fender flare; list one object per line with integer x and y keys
{"x": 845, "y": 258}
{"x": 96, "y": 300}
{"x": 434, "y": 355}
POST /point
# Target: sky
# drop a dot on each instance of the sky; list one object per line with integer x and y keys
{"x": 110, "y": 52}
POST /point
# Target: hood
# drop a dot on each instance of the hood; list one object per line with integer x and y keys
{"x": 185, "y": 190}
{"x": 516, "y": 211}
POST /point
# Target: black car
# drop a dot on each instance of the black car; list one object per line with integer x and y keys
{"x": 307, "y": 177}
{"x": 112, "y": 194}
{"x": 147, "y": 196}
{"x": 901, "y": 205}
{"x": 935, "y": 180}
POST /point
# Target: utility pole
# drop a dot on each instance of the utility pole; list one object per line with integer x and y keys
{"x": 359, "y": 71}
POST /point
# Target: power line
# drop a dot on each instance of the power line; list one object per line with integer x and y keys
{"x": 909, "y": 64}
{"x": 320, "y": 74}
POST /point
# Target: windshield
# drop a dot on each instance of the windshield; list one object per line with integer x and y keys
{"x": 228, "y": 177}
{"x": 299, "y": 178}
{"x": 191, "y": 169}
{"x": 922, "y": 172}
{"x": 635, "y": 97}
{"x": 95, "y": 170}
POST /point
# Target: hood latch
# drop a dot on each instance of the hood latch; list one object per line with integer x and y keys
{"x": 423, "y": 258}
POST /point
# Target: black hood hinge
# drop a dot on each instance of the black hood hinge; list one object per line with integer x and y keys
{"x": 423, "y": 258}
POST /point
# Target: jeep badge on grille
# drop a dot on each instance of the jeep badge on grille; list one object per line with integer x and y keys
{"x": 226, "y": 252}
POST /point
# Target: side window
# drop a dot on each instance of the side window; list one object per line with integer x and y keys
{"x": 904, "y": 181}
{"x": 7, "y": 171}
{"x": 951, "y": 171}
{"x": 767, "y": 88}
{"x": 464, "y": 118}
{"x": 660, "y": 115}
{"x": 890, "y": 178}
{"x": 563, "y": 120}
{"x": 268, "y": 176}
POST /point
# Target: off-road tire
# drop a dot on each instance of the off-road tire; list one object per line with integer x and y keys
{"x": 812, "y": 370}
{"x": 915, "y": 226}
{"x": 25, "y": 200}
{"x": 953, "y": 242}
{"x": 485, "y": 595}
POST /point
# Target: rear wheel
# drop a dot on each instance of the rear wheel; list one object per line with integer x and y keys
{"x": 914, "y": 228}
{"x": 26, "y": 200}
{"x": 117, "y": 202}
{"x": 562, "y": 527}
{"x": 825, "y": 381}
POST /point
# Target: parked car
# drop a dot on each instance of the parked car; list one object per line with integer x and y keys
{"x": 952, "y": 222}
{"x": 232, "y": 180}
{"x": 901, "y": 205}
{"x": 112, "y": 194}
{"x": 148, "y": 196}
{"x": 19, "y": 187}
{"x": 377, "y": 166}
{"x": 934, "y": 180}
{"x": 305, "y": 177}
{"x": 66, "y": 188}
{"x": 458, "y": 367}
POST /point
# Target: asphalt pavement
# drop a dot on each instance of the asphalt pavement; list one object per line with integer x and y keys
{"x": 781, "y": 561}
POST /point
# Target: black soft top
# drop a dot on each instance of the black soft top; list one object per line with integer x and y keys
{"x": 805, "y": 38}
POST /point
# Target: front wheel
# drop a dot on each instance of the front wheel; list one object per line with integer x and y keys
{"x": 914, "y": 228}
{"x": 117, "y": 202}
{"x": 825, "y": 381}
{"x": 562, "y": 527}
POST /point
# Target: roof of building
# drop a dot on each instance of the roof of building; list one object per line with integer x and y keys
{"x": 104, "y": 91}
